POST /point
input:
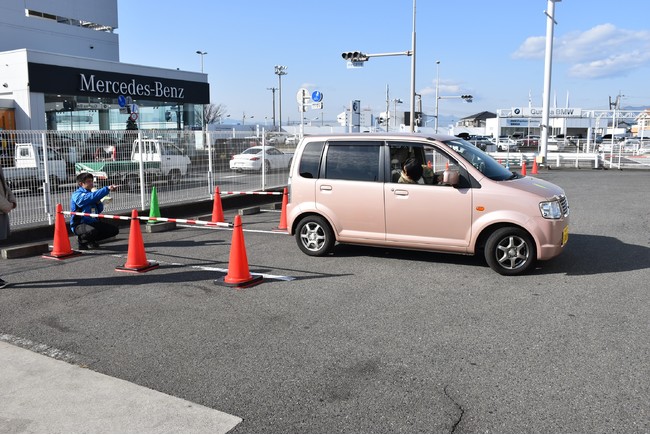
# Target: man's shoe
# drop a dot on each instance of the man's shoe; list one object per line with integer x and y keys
{"x": 3, "y": 283}
{"x": 87, "y": 246}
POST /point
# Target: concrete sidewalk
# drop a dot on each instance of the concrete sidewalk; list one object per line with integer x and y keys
{"x": 39, "y": 394}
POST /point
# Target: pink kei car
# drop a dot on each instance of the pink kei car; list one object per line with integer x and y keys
{"x": 350, "y": 188}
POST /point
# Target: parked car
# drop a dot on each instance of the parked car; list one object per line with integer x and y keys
{"x": 507, "y": 144}
{"x": 631, "y": 145}
{"x": 292, "y": 140}
{"x": 529, "y": 141}
{"x": 482, "y": 143}
{"x": 225, "y": 149}
{"x": 251, "y": 159}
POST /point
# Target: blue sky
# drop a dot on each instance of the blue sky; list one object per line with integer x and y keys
{"x": 493, "y": 50}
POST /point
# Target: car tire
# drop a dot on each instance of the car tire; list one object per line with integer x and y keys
{"x": 314, "y": 236}
{"x": 510, "y": 251}
{"x": 132, "y": 183}
{"x": 174, "y": 177}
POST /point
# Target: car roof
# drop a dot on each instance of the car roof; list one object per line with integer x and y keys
{"x": 381, "y": 136}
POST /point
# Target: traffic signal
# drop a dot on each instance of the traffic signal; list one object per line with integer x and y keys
{"x": 418, "y": 119}
{"x": 354, "y": 56}
{"x": 467, "y": 98}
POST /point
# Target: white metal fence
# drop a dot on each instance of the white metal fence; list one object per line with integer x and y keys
{"x": 51, "y": 180}
{"x": 41, "y": 181}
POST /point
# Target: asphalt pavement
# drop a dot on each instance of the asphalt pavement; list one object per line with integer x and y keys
{"x": 366, "y": 340}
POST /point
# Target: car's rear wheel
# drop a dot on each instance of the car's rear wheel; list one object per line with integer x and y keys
{"x": 315, "y": 236}
{"x": 510, "y": 251}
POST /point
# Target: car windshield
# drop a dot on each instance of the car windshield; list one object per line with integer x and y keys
{"x": 480, "y": 160}
{"x": 252, "y": 151}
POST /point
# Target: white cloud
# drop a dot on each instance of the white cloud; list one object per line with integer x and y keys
{"x": 602, "y": 51}
{"x": 445, "y": 88}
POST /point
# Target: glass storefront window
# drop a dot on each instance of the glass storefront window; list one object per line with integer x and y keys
{"x": 70, "y": 113}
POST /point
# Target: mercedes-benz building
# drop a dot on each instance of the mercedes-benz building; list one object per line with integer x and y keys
{"x": 60, "y": 70}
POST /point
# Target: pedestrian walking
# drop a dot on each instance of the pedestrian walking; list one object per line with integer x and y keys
{"x": 7, "y": 203}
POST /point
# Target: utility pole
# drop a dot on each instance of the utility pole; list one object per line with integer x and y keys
{"x": 273, "y": 91}
{"x": 280, "y": 70}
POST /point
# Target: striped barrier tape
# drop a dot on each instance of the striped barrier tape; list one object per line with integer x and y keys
{"x": 251, "y": 193}
{"x": 146, "y": 218}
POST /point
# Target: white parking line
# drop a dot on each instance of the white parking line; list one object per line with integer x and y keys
{"x": 211, "y": 269}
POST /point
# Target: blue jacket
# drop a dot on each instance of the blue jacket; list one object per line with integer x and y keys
{"x": 85, "y": 201}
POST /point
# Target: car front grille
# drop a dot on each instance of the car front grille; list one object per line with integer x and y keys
{"x": 564, "y": 205}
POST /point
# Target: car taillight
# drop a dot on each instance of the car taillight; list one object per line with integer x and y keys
{"x": 255, "y": 158}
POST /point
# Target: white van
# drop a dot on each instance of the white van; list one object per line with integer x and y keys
{"x": 349, "y": 189}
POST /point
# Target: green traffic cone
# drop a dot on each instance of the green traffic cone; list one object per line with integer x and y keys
{"x": 153, "y": 210}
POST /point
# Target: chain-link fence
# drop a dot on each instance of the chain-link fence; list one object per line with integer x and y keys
{"x": 184, "y": 166}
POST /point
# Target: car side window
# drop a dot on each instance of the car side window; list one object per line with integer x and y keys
{"x": 352, "y": 161}
{"x": 310, "y": 159}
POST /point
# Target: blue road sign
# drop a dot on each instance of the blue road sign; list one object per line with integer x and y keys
{"x": 121, "y": 100}
{"x": 316, "y": 96}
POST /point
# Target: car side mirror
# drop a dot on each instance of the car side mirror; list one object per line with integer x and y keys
{"x": 451, "y": 177}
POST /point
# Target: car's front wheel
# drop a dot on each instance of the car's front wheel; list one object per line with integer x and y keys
{"x": 315, "y": 236}
{"x": 510, "y": 251}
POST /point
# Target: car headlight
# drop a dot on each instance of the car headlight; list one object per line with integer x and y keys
{"x": 550, "y": 210}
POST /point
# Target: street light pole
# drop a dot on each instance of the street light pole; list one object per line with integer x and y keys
{"x": 412, "y": 121}
{"x": 437, "y": 92}
{"x": 548, "y": 62}
{"x": 280, "y": 70}
{"x": 201, "y": 53}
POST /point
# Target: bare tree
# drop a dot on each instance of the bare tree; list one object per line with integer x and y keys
{"x": 210, "y": 114}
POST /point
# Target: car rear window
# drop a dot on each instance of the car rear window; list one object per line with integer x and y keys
{"x": 310, "y": 160}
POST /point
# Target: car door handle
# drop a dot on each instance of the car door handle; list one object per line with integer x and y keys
{"x": 325, "y": 187}
{"x": 401, "y": 192}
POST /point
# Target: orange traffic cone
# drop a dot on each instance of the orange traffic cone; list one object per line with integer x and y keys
{"x": 61, "y": 247}
{"x": 238, "y": 273}
{"x": 534, "y": 166}
{"x": 136, "y": 260}
{"x": 523, "y": 168}
{"x": 217, "y": 209}
{"x": 283, "y": 213}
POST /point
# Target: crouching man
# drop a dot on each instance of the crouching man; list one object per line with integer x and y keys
{"x": 90, "y": 230}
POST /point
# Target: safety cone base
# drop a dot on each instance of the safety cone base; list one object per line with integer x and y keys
{"x": 146, "y": 268}
{"x": 62, "y": 256}
{"x": 253, "y": 280}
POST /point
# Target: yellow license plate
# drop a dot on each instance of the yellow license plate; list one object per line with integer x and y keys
{"x": 565, "y": 235}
